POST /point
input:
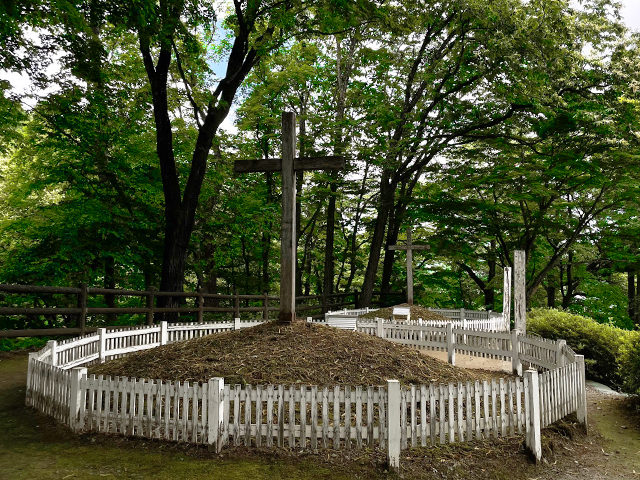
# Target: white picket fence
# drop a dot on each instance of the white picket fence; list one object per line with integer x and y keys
{"x": 390, "y": 416}
{"x": 460, "y": 318}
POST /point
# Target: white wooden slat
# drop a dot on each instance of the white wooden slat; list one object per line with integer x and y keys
{"x": 478, "y": 411}
{"x": 423, "y": 415}
{"x": 503, "y": 413}
{"x": 414, "y": 423}
{"x": 403, "y": 418}
{"x": 347, "y": 416}
{"x": 167, "y": 409}
{"x": 303, "y": 416}
{"x": 236, "y": 414}
{"x": 314, "y": 417}
{"x": 358, "y": 417}
{"x": 280, "y": 399}
{"x": 370, "y": 409}
{"x": 325, "y": 417}
{"x": 248, "y": 389}
{"x": 336, "y": 417}
{"x": 269, "y": 417}
{"x": 469, "y": 411}
{"x": 451, "y": 424}
{"x": 382, "y": 408}
{"x": 258, "y": 415}
{"x": 441, "y": 412}
{"x": 459, "y": 418}
{"x": 292, "y": 417}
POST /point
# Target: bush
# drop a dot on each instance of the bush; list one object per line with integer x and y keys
{"x": 22, "y": 343}
{"x": 601, "y": 344}
{"x": 630, "y": 364}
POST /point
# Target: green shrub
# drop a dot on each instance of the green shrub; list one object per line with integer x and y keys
{"x": 601, "y": 344}
{"x": 22, "y": 343}
{"x": 630, "y": 364}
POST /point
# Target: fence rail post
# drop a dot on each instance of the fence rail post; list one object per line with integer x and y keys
{"x": 393, "y": 425}
{"x": 215, "y": 413}
{"x": 200, "y": 306}
{"x": 164, "y": 333}
{"x": 236, "y": 304}
{"x": 582, "y": 394}
{"x": 151, "y": 301}
{"x": 265, "y": 314}
{"x": 76, "y": 397}
{"x": 451, "y": 347}
{"x": 102, "y": 344}
{"x": 532, "y": 437}
{"x": 516, "y": 365}
{"x": 53, "y": 347}
{"x": 356, "y": 303}
{"x": 82, "y": 305}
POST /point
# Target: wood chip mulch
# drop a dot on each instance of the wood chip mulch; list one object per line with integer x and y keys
{"x": 416, "y": 312}
{"x": 272, "y": 353}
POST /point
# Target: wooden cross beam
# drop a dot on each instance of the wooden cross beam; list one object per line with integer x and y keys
{"x": 409, "y": 247}
{"x": 288, "y": 165}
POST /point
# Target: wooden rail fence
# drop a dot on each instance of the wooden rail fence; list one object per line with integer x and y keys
{"x": 82, "y": 293}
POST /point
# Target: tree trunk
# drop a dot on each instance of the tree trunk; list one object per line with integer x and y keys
{"x": 110, "y": 282}
{"x": 551, "y": 297}
{"x": 389, "y": 255}
{"x": 384, "y": 208}
{"x": 327, "y": 287}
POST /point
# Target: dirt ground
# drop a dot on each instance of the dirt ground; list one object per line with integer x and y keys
{"x": 33, "y": 446}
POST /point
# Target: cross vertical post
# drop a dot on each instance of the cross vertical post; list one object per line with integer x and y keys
{"x": 288, "y": 235}
{"x": 409, "y": 247}
{"x": 288, "y": 165}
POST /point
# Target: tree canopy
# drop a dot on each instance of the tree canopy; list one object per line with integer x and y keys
{"x": 487, "y": 126}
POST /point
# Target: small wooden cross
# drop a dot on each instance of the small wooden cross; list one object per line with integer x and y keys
{"x": 409, "y": 247}
{"x": 288, "y": 165}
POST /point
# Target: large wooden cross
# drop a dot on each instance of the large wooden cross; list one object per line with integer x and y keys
{"x": 288, "y": 165}
{"x": 409, "y": 247}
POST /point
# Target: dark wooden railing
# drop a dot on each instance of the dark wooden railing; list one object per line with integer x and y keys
{"x": 82, "y": 310}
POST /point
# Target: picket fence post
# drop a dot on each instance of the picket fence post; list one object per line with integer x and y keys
{"x": 215, "y": 413}
{"x": 52, "y": 346}
{"x": 582, "y": 394}
{"x": 532, "y": 436}
{"x": 516, "y": 365}
{"x": 236, "y": 323}
{"x": 561, "y": 360}
{"x": 164, "y": 333}
{"x": 76, "y": 397}
{"x": 102, "y": 344}
{"x": 29, "y": 394}
{"x": 393, "y": 425}
{"x": 451, "y": 350}
{"x": 380, "y": 327}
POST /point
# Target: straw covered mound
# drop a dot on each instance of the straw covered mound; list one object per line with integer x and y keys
{"x": 416, "y": 312}
{"x": 304, "y": 353}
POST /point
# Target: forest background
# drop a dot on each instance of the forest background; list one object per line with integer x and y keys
{"x": 487, "y": 126}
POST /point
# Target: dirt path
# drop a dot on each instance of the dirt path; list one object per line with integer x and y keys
{"x": 612, "y": 449}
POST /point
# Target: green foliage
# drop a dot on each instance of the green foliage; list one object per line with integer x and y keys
{"x": 601, "y": 344}
{"x": 630, "y": 363}
{"x": 22, "y": 343}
